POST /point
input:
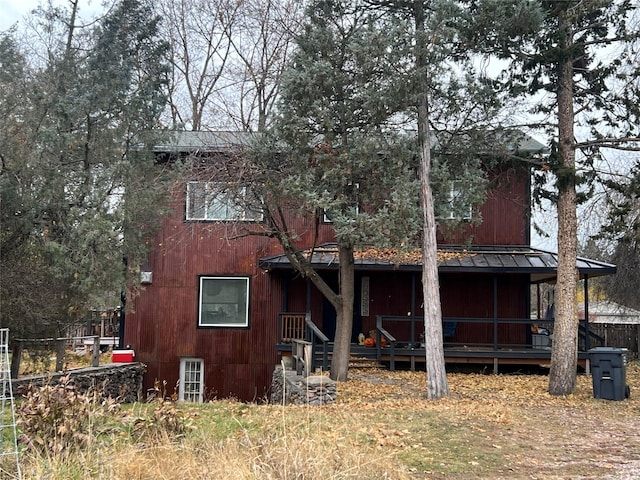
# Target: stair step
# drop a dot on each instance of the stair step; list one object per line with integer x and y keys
{"x": 361, "y": 362}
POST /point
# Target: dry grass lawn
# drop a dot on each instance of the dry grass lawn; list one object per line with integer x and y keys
{"x": 381, "y": 427}
{"x": 500, "y": 426}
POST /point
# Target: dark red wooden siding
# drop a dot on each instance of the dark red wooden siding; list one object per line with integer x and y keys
{"x": 505, "y": 213}
{"x": 462, "y": 295}
{"x": 239, "y": 362}
{"x": 163, "y": 327}
{"x": 472, "y": 296}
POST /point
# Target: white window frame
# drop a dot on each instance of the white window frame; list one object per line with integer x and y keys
{"x": 325, "y": 215}
{"x": 326, "y": 219}
{"x": 191, "y": 387}
{"x": 221, "y": 309}
{"x": 217, "y": 205}
{"x": 453, "y": 194}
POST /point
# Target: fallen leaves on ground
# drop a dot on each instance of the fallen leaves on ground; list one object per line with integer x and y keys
{"x": 495, "y": 426}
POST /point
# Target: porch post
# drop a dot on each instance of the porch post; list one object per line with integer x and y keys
{"x": 308, "y": 309}
{"x": 413, "y": 308}
{"x": 285, "y": 292}
{"x": 586, "y": 313}
{"x": 495, "y": 323}
{"x": 495, "y": 312}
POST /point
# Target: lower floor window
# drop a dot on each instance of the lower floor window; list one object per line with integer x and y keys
{"x": 224, "y": 302}
{"x": 191, "y": 379}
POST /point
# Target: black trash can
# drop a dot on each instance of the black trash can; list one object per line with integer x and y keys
{"x": 609, "y": 373}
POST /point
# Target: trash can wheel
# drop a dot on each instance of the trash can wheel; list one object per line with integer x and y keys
{"x": 627, "y": 391}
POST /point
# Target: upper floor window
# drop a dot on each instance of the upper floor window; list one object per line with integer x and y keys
{"x": 350, "y": 195}
{"x": 327, "y": 218}
{"x": 457, "y": 206}
{"x": 214, "y": 201}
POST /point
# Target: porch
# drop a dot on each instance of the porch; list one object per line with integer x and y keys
{"x": 494, "y": 299}
{"x": 312, "y": 349}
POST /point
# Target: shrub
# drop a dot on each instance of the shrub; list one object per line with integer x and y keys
{"x": 166, "y": 420}
{"x": 58, "y": 418}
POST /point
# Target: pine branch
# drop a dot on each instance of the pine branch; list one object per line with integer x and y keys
{"x": 615, "y": 143}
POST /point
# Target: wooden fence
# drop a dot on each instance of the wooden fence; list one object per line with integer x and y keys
{"x": 619, "y": 335}
{"x": 57, "y": 345}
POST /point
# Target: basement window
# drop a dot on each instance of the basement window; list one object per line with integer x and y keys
{"x": 223, "y": 302}
{"x": 191, "y": 387}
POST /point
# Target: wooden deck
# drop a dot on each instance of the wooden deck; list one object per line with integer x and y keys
{"x": 413, "y": 353}
{"x": 416, "y": 357}
{"x": 465, "y": 355}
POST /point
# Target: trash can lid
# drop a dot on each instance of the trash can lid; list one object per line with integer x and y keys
{"x": 607, "y": 350}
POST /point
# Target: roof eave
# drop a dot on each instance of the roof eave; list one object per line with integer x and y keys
{"x": 544, "y": 273}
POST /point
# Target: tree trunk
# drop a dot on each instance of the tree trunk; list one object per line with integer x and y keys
{"x": 564, "y": 354}
{"x": 437, "y": 385}
{"x": 341, "y": 302}
{"x": 344, "y": 317}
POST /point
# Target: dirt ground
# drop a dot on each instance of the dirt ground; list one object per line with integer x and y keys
{"x": 498, "y": 426}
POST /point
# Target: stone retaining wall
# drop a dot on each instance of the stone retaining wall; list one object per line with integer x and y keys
{"x": 290, "y": 388}
{"x": 122, "y": 381}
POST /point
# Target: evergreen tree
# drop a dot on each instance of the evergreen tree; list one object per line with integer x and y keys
{"x": 594, "y": 104}
{"x": 622, "y": 228}
{"x": 336, "y": 154}
{"x": 360, "y": 73}
{"x": 76, "y": 144}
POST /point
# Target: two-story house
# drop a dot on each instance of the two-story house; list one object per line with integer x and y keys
{"x": 215, "y": 315}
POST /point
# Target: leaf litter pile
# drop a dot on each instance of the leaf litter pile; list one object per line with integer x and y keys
{"x": 492, "y": 426}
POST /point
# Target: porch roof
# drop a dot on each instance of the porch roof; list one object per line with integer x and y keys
{"x": 541, "y": 265}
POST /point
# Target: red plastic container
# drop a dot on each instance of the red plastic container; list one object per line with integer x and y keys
{"x": 122, "y": 356}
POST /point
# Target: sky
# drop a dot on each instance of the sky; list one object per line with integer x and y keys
{"x": 13, "y": 11}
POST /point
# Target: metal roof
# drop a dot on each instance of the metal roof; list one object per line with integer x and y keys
{"x": 610, "y": 312}
{"x": 504, "y": 259}
{"x": 199, "y": 141}
{"x": 187, "y": 141}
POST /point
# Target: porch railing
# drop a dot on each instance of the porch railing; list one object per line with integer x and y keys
{"x": 309, "y": 346}
{"x": 390, "y": 340}
{"x": 291, "y": 326}
{"x": 317, "y": 347}
{"x": 319, "y": 344}
{"x": 586, "y": 337}
{"x": 302, "y": 353}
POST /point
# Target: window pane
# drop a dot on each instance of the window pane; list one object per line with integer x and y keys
{"x": 217, "y": 207}
{"x": 196, "y": 201}
{"x": 224, "y": 301}
{"x": 456, "y": 205}
{"x": 210, "y": 201}
{"x": 191, "y": 386}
